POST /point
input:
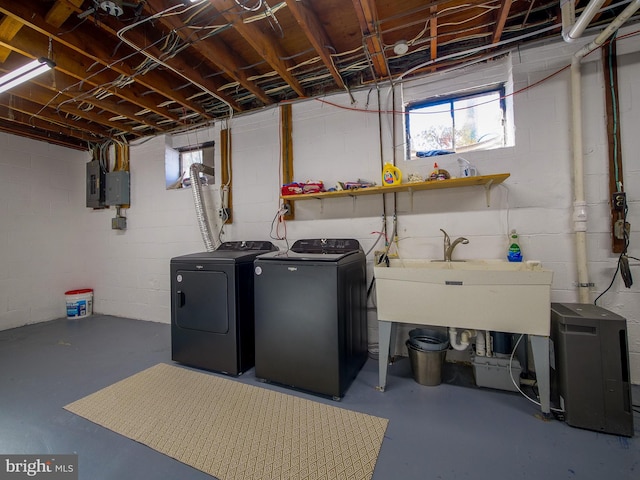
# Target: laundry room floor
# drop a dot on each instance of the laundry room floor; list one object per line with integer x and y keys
{"x": 450, "y": 431}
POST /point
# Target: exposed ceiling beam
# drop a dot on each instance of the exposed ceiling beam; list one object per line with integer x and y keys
{"x": 98, "y": 51}
{"x": 316, "y": 34}
{"x": 33, "y": 115}
{"x": 33, "y": 45}
{"x": 368, "y": 18}
{"x": 214, "y": 51}
{"x": 43, "y": 97}
{"x": 60, "y": 11}
{"x": 433, "y": 33}
{"x": 501, "y": 19}
{"x": 177, "y": 62}
{"x": 37, "y": 134}
{"x": 262, "y": 43}
{"x": 9, "y": 27}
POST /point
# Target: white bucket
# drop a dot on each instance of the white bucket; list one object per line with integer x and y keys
{"x": 79, "y": 303}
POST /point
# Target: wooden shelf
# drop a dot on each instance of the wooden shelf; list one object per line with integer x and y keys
{"x": 486, "y": 181}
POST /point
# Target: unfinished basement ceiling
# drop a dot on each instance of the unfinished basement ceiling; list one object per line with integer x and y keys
{"x": 129, "y": 69}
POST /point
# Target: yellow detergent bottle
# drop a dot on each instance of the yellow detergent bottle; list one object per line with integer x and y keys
{"x": 391, "y": 175}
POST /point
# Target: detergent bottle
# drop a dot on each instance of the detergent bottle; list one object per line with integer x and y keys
{"x": 391, "y": 175}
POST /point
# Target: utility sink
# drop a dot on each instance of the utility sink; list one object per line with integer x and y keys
{"x": 480, "y": 294}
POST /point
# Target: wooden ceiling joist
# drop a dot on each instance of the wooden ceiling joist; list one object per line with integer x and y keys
{"x": 433, "y": 33}
{"x": 11, "y": 126}
{"x": 215, "y": 51}
{"x": 262, "y": 43}
{"x": 9, "y": 27}
{"x": 501, "y": 19}
{"x": 29, "y": 113}
{"x": 42, "y": 96}
{"x": 61, "y": 11}
{"x": 33, "y": 45}
{"x": 368, "y": 18}
{"x": 316, "y": 34}
{"x": 85, "y": 45}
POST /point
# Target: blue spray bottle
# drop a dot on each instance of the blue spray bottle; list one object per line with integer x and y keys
{"x": 514, "y": 254}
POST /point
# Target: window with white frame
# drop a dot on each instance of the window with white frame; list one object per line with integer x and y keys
{"x": 456, "y": 124}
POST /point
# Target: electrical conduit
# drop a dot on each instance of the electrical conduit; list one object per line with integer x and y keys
{"x": 580, "y": 215}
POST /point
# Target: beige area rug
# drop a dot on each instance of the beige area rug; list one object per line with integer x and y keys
{"x": 235, "y": 431}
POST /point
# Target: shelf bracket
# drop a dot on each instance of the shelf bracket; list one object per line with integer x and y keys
{"x": 487, "y": 191}
{"x": 410, "y": 190}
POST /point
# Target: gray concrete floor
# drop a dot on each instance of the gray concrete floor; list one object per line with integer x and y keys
{"x": 445, "y": 432}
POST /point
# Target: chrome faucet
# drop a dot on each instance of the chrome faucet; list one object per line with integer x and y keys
{"x": 448, "y": 246}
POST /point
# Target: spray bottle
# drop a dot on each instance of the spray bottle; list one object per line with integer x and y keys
{"x": 514, "y": 254}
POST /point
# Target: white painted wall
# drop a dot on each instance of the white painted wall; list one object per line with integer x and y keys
{"x": 43, "y": 234}
{"x": 130, "y": 270}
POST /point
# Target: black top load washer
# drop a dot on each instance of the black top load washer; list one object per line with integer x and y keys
{"x": 311, "y": 324}
{"x": 212, "y": 307}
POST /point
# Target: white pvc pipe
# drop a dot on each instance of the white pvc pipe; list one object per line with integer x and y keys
{"x": 465, "y": 338}
{"x": 573, "y": 29}
{"x": 480, "y": 345}
{"x": 580, "y": 217}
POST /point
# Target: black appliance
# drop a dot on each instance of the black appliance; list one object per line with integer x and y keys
{"x": 212, "y": 307}
{"x": 591, "y": 372}
{"x": 311, "y": 324}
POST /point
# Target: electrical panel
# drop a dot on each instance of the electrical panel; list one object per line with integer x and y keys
{"x": 95, "y": 185}
{"x": 117, "y": 188}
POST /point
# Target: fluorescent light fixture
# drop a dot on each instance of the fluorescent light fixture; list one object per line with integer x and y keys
{"x": 26, "y": 72}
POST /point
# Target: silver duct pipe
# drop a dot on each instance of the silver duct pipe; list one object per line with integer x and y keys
{"x": 201, "y": 212}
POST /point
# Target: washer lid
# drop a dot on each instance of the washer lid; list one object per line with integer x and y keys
{"x": 289, "y": 256}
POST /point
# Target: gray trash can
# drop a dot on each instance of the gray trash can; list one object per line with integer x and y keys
{"x": 427, "y": 350}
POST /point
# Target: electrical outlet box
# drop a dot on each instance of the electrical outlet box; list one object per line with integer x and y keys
{"x": 619, "y": 201}
{"x": 117, "y": 188}
{"x": 119, "y": 223}
{"x": 95, "y": 185}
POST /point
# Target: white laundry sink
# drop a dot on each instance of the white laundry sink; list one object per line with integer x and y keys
{"x": 480, "y": 294}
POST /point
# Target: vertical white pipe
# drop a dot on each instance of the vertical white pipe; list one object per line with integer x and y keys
{"x": 580, "y": 225}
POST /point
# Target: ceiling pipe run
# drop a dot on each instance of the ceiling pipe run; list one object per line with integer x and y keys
{"x": 573, "y": 29}
{"x": 580, "y": 215}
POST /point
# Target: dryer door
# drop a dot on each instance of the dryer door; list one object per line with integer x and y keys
{"x": 201, "y": 301}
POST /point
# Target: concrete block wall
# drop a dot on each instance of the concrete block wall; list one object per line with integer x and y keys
{"x": 130, "y": 270}
{"x": 41, "y": 230}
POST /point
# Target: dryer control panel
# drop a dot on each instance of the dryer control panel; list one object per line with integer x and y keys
{"x": 247, "y": 245}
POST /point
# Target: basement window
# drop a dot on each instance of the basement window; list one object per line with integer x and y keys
{"x": 178, "y": 165}
{"x": 456, "y": 124}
